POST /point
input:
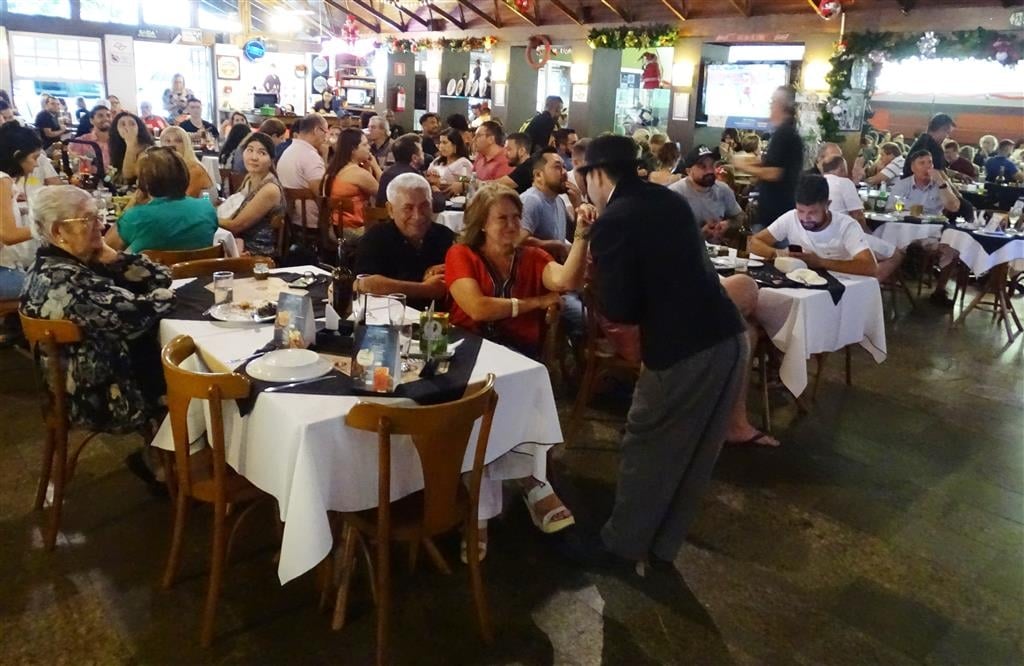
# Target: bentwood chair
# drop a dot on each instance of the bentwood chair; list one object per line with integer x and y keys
{"x": 440, "y": 434}
{"x": 172, "y": 257}
{"x": 204, "y": 476}
{"x": 299, "y": 201}
{"x": 9, "y": 307}
{"x": 599, "y": 359}
{"x": 201, "y": 267}
{"x": 46, "y": 339}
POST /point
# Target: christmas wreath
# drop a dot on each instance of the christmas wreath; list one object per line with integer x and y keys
{"x": 538, "y": 51}
{"x": 465, "y": 44}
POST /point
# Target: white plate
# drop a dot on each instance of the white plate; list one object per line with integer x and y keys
{"x": 473, "y": 88}
{"x": 288, "y": 365}
{"x": 806, "y": 276}
{"x": 460, "y": 87}
{"x": 231, "y": 313}
{"x": 451, "y": 86}
{"x": 730, "y": 262}
{"x": 881, "y": 217}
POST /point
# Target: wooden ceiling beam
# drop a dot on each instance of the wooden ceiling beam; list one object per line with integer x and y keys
{"x": 372, "y": 26}
{"x": 561, "y": 6}
{"x": 743, "y": 6}
{"x": 682, "y": 12}
{"x": 493, "y": 20}
{"x": 461, "y": 25}
{"x": 615, "y": 10}
{"x": 413, "y": 15}
{"x": 365, "y": 6}
{"x": 532, "y": 20}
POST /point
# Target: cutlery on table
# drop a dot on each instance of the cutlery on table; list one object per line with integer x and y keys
{"x": 279, "y": 387}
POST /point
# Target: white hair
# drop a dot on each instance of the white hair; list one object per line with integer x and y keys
{"x": 406, "y": 182}
{"x": 380, "y": 119}
{"x": 51, "y": 204}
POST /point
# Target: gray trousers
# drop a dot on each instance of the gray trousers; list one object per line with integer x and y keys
{"x": 674, "y": 432}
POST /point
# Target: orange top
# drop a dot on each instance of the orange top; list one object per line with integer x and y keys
{"x": 341, "y": 189}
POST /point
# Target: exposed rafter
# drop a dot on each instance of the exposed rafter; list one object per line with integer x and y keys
{"x": 615, "y": 10}
{"x": 568, "y": 12}
{"x": 461, "y": 25}
{"x": 379, "y": 15}
{"x": 416, "y": 17}
{"x": 372, "y": 26}
{"x": 532, "y": 20}
{"x": 743, "y": 6}
{"x": 678, "y": 7}
{"x": 493, "y": 20}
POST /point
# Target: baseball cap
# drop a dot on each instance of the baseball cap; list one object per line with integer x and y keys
{"x": 696, "y": 154}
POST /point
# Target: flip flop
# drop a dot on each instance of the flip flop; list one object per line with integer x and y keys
{"x": 754, "y": 442}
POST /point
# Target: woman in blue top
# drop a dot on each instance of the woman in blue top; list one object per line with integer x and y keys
{"x": 168, "y": 220}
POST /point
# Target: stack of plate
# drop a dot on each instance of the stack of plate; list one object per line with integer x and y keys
{"x": 289, "y": 365}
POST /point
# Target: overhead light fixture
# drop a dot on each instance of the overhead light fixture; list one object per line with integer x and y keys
{"x": 682, "y": 74}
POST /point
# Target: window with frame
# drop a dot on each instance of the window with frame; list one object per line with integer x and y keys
{"x": 56, "y": 57}
{"x": 54, "y": 8}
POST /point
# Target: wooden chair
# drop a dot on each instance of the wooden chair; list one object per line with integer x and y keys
{"x": 598, "y": 360}
{"x": 299, "y": 200}
{"x": 230, "y": 182}
{"x": 895, "y": 283}
{"x": 46, "y": 337}
{"x": 820, "y": 361}
{"x": 171, "y": 257}
{"x": 205, "y": 476}
{"x": 279, "y": 223}
{"x": 9, "y": 307}
{"x": 200, "y": 267}
{"x": 374, "y": 215}
{"x": 440, "y": 434}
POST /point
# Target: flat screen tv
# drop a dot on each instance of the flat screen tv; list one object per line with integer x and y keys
{"x": 739, "y": 94}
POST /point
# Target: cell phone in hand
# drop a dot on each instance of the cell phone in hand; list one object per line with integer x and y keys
{"x": 796, "y": 248}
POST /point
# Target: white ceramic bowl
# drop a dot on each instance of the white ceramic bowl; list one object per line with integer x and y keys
{"x": 789, "y": 264}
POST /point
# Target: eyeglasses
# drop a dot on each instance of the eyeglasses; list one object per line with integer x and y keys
{"x": 90, "y": 219}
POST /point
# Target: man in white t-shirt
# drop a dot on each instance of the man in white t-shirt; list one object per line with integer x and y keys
{"x": 302, "y": 165}
{"x": 816, "y": 235}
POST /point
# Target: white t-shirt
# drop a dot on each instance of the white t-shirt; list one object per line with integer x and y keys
{"x": 451, "y": 172}
{"x": 843, "y": 195}
{"x": 843, "y": 239}
{"x": 19, "y": 255}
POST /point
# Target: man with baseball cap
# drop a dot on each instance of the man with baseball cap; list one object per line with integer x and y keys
{"x": 651, "y": 268}
{"x": 713, "y": 202}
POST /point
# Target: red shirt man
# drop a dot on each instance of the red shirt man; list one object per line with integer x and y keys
{"x": 491, "y": 162}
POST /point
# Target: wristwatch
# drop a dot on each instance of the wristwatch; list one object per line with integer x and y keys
{"x": 943, "y": 186}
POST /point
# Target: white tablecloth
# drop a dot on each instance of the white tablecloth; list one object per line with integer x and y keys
{"x": 902, "y": 234}
{"x": 296, "y": 447}
{"x": 802, "y": 322}
{"x": 974, "y": 255}
{"x": 451, "y": 219}
{"x": 212, "y": 166}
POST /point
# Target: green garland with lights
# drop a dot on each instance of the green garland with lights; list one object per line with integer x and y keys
{"x": 877, "y": 47}
{"x": 630, "y": 37}
{"x": 405, "y": 45}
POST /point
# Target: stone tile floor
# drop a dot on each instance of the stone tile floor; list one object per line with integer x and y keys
{"x": 888, "y": 529}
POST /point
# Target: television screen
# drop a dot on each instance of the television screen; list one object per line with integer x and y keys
{"x": 739, "y": 95}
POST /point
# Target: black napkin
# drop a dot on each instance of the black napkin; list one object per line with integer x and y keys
{"x": 194, "y": 299}
{"x": 992, "y": 243}
{"x": 770, "y": 277}
{"x": 435, "y": 390}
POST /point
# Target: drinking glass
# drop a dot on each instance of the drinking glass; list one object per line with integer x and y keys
{"x": 740, "y": 265}
{"x": 396, "y": 314}
{"x": 917, "y": 210}
{"x": 898, "y": 204}
{"x": 223, "y": 287}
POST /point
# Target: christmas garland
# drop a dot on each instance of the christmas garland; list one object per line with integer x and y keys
{"x": 405, "y": 45}
{"x": 639, "y": 37}
{"x": 874, "y": 48}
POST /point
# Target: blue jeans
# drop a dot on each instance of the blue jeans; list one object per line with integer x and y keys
{"x": 12, "y": 281}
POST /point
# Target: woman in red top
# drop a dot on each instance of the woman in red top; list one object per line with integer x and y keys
{"x": 500, "y": 289}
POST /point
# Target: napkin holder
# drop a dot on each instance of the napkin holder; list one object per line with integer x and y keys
{"x": 295, "y": 325}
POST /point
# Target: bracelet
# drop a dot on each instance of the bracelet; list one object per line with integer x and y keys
{"x": 515, "y": 307}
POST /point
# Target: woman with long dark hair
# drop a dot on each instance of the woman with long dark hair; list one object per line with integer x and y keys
{"x": 352, "y": 174}
{"x": 129, "y": 138}
{"x": 20, "y": 148}
{"x": 264, "y": 197}
{"x": 236, "y": 118}
{"x": 452, "y": 161}
{"x": 229, "y": 154}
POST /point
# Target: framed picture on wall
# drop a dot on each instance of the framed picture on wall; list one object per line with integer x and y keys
{"x": 399, "y": 69}
{"x": 228, "y": 68}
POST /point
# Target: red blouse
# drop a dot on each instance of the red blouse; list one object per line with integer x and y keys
{"x": 526, "y": 281}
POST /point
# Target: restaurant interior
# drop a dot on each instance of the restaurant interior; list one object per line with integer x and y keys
{"x": 322, "y": 435}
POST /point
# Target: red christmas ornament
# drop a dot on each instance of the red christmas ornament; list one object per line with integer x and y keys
{"x": 829, "y": 9}
{"x": 524, "y": 5}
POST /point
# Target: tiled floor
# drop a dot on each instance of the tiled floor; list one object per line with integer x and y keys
{"x": 888, "y": 529}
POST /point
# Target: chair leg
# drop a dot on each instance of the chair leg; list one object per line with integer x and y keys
{"x": 45, "y": 472}
{"x": 181, "y": 506}
{"x": 582, "y": 398}
{"x": 476, "y": 581}
{"x": 766, "y": 407}
{"x": 60, "y": 455}
{"x": 849, "y": 372}
{"x": 348, "y": 563}
{"x": 820, "y": 360}
{"x": 436, "y": 557}
{"x": 383, "y": 601}
{"x": 414, "y": 551}
{"x": 218, "y": 557}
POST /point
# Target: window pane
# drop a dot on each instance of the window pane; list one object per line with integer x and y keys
{"x": 177, "y": 13}
{"x": 22, "y": 45}
{"x": 58, "y": 8}
{"x": 89, "y": 50}
{"x": 103, "y": 11}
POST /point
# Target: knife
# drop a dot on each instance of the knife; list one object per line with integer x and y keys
{"x": 280, "y": 387}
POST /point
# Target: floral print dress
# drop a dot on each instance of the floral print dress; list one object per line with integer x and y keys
{"x": 114, "y": 377}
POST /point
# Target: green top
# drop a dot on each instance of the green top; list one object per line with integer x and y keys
{"x": 168, "y": 224}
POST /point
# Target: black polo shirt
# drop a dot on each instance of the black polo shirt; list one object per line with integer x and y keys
{"x": 926, "y": 142}
{"x": 190, "y": 127}
{"x": 786, "y": 151}
{"x": 46, "y": 120}
{"x": 522, "y": 175}
{"x": 383, "y": 250}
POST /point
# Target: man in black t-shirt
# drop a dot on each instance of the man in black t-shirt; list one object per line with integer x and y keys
{"x": 406, "y": 256}
{"x": 48, "y": 122}
{"x": 939, "y": 128}
{"x": 779, "y": 170}
{"x": 195, "y": 123}
{"x": 543, "y": 124}
{"x": 517, "y": 150}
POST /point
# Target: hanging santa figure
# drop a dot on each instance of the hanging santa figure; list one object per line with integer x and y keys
{"x": 651, "y": 76}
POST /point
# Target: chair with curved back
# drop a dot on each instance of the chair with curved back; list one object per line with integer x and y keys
{"x": 440, "y": 435}
{"x": 171, "y": 257}
{"x": 46, "y": 337}
{"x": 204, "y": 476}
{"x": 201, "y": 267}
{"x": 298, "y": 201}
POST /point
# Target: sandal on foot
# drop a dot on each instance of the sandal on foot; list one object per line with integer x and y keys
{"x": 464, "y": 549}
{"x": 755, "y": 441}
{"x": 548, "y": 524}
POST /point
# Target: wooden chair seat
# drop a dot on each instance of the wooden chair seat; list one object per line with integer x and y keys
{"x": 171, "y": 257}
{"x": 204, "y": 485}
{"x": 203, "y": 267}
{"x": 407, "y": 517}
